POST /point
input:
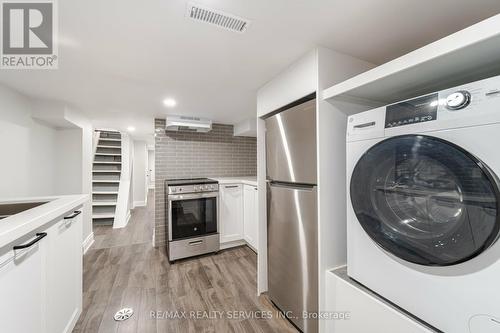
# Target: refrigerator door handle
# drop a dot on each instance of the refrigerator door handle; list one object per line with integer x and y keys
{"x": 292, "y": 186}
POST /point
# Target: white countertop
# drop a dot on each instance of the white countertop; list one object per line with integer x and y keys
{"x": 16, "y": 226}
{"x": 249, "y": 180}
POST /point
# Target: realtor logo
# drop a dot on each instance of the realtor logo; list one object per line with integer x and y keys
{"x": 28, "y": 35}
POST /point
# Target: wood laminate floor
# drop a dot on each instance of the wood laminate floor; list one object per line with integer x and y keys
{"x": 123, "y": 269}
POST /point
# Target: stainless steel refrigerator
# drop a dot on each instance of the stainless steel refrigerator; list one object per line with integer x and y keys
{"x": 292, "y": 223}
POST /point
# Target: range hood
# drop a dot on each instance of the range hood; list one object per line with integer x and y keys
{"x": 189, "y": 124}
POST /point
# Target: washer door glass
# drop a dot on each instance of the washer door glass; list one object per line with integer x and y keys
{"x": 426, "y": 200}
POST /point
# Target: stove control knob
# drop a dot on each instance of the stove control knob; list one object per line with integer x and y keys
{"x": 458, "y": 100}
{"x": 196, "y": 188}
{"x": 173, "y": 190}
{"x": 205, "y": 187}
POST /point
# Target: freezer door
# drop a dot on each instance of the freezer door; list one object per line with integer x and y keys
{"x": 293, "y": 251}
{"x": 291, "y": 144}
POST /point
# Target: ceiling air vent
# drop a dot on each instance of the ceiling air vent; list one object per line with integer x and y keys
{"x": 216, "y": 17}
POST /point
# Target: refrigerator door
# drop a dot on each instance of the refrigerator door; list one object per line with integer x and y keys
{"x": 291, "y": 144}
{"x": 293, "y": 251}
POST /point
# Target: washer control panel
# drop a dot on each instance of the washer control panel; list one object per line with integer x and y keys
{"x": 471, "y": 104}
{"x": 458, "y": 100}
{"x": 417, "y": 110}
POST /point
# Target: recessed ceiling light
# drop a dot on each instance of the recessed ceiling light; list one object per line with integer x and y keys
{"x": 131, "y": 128}
{"x": 169, "y": 102}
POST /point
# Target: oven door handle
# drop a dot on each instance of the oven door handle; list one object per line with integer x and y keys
{"x": 178, "y": 197}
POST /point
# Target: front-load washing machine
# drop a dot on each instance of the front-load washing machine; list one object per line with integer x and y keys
{"x": 424, "y": 205}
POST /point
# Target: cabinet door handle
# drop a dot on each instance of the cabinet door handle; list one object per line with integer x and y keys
{"x": 231, "y": 186}
{"x": 39, "y": 236}
{"x": 72, "y": 216}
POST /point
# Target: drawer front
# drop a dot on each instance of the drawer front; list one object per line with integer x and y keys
{"x": 193, "y": 247}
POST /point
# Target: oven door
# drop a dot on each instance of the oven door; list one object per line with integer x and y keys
{"x": 191, "y": 215}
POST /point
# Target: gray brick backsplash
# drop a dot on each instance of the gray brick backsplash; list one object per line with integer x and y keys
{"x": 186, "y": 155}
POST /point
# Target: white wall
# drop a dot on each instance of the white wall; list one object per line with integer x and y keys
{"x": 46, "y": 150}
{"x": 246, "y": 128}
{"x": 140, "y": 171}
{"x": 68, "y": 166}
{"x": 27, "y": 147}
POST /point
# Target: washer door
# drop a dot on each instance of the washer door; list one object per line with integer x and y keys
{"x": 426, "y": 200}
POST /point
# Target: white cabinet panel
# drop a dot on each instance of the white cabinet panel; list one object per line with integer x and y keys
{"x": 22, "y": 287}
{"x": 250, "y": 225}
{"x": 64, "y": 273}
{"x": 41, "y": 285}
{"x": 359, "y": 310}
{"x": 231, "y": 212}
{"x": 298, "y": 80}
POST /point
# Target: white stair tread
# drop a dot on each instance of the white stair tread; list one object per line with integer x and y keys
{"x": 106, "y": 162}
{"x": 103, "y": 215}
{"x": 103, "y": 203}
{"x": 105, "y": 192}
{"x": 106, "y": 171}
{"x": 105, "y": 180}
{"x": 109, "y": 139}
{"x": 107, "y": 154}
{"x": 106, "y": 146}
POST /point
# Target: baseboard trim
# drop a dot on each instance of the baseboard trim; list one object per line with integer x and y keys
{"x": 74, "y": 319}
{"x": 235, "y": 243}
{"x": 87, "y": 243}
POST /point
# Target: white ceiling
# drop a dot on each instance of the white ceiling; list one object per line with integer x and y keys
{"x": 118, "y": 59}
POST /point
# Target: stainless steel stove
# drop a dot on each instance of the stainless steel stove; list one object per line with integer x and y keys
{"x": 192, "y": 217}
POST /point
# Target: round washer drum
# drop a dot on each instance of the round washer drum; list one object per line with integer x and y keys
{"x": 426, "y": 200}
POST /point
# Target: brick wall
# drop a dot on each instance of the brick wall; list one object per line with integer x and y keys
{"x": 186, "y": 155}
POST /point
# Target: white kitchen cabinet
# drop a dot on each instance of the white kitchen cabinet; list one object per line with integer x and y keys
{"x": 64, "y": 273}
{"x": 250, "y": 225}
{"x": 22, "y": 286}
{"x": 231, "y": 212}
{"x": 41, "y": 284}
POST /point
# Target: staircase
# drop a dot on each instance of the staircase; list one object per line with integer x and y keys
{"x": 106, "y": 172}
